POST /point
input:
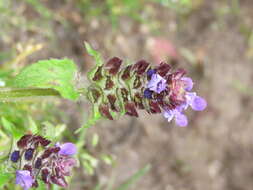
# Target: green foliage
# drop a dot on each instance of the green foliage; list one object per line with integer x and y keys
{"x": 52, "y": 132}
{"x": 112, "y": 9}
{"x": 33, "y": 126}
{"x": 98, "y": 59}
{"x": 4, "y": 176}
{"x": 95, "y": 140}
{"x": 108, "y": 159}
{"x": 89, "y": 162}
{"x": 95, "y": 114}
{"x": 11, "y": 129}
{"x": 117, "y": 8}
{"x": 53, "y": 73}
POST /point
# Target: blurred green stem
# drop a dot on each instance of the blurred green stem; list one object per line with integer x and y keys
{"x": 20, "y": 94}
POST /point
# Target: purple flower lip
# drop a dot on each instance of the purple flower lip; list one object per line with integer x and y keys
{"x": 24, "y": 179}
{"x": 181, "y": 119}
{"x": 157, "y": 83}
{"x": 188, "y": 83}
{"x": 196, "y": 102}
{"x": 68, "y": 149}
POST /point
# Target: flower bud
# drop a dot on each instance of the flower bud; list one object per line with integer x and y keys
{"x": 29, "y": 154}
{"x": 15, "y": 156}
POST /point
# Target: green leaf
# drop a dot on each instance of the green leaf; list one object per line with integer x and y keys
{"x": 95, "y": 140}
{"x": 98, "y": 59}
{"x": 54, "y": 73}
{"x": 133, "y": 179}
{"x": 4, "y": 176}
{"x": 108, "y": 159}
{"x": 94, "y": 54}
{"x": 11, "y": 128}
{"x": 89, "y": 162}
{"x": 51, "y": 131}
{"x": 32, "y": 125}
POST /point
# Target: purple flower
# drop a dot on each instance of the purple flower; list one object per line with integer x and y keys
{"x": 157, "y": 83}
{"x": 24, "y": 179}
{"x": 196, "y": 102}
{"x": 147, "y": 93}
{"x": 51, "y": 163}
{"x": 188, "y": 83}
{"x": 68, "y": 149}
{"x": 181, "y": 119}
{"x": 150, "y": 72}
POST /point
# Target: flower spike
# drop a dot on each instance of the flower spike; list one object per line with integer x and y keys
{"x": 119, "y": 89}
{"x": 50, "y": 164}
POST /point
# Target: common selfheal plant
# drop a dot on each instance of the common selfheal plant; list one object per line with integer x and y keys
{"x": 36, "y": 159}
{"x": 113, "y": 89}
{"x": 141, "y": 86}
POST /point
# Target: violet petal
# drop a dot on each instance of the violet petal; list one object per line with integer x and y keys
{"x": 198, "y": 103}
{"x": 169, "y": 114}
{"x": 68, "y": 149}
{"x": 181, "y": 119}
{"x": 157, "y": 83}
{"x": 24, "y": 179}
{"x": 190, "y": 96}
{"x": 188, "y": 83}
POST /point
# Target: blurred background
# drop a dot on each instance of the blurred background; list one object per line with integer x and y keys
{"x": 212, "y": 39}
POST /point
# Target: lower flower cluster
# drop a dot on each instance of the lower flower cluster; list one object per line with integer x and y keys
{"x": 35, "y": 159}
